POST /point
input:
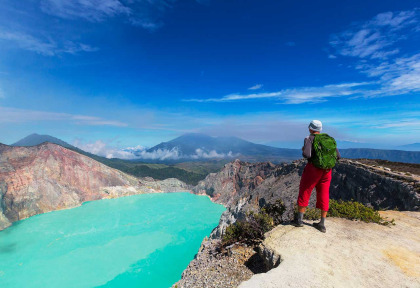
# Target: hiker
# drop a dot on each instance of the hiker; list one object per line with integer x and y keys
{"x": 321, "y": 151}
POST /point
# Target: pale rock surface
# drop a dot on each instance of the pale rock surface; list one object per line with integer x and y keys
{"x": 350, "y": 254}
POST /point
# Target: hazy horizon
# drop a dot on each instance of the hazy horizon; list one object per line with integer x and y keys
{"x": 103, "y": 149}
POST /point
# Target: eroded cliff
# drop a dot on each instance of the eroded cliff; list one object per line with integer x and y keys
{"x": 48, "y": 177}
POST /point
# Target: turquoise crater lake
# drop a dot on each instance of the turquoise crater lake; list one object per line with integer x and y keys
{"x": 137, "y": 241}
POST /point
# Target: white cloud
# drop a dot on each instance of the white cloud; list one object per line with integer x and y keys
{"x": 175, "y": 154}
{"x": 46, "y": 47}
{"x": 14, "y": 115}
{"x": 233, "y": 97}
{"x": 143, "y": 13}
{"x": 399, "y": 76}
{"x": 73, "y": 48}
{"x": 160, "y": 154}
{"x": 256, "y": 87}
{"x": 375, "y": 44}
{"x": 101, "y": 148}
{"x": 298, "y": 95}
{"x": 30, "y": 43}
{"x": 135, "y": 148}
{"x": 403, "y": 124}
{"x": 147, "y": 14}
{"x": 395, "y": 21}
{"x": 368, "y": 42}
{"x": 91, "y": 10}
{"x": 199, "y": 154}
{"x": 104, "y": 149}
{"x": 375, "y": 39}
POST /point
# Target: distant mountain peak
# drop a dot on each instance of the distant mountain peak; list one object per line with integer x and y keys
{"x": 36, "y": 139}
{"x": 195, "y": 146}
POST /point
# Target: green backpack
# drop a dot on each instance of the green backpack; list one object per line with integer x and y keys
{"x": 325, "y": 151}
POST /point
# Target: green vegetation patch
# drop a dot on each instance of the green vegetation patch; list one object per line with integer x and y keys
{"x": 275, "y": 211}
{"x": 251, "y": 230}
{"x": 203, "y": 167}
{"x": 164, "y": 173}
{"x": 349, "y": 210}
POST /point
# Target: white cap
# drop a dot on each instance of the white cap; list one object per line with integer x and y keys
{"x": 315, "y": 125}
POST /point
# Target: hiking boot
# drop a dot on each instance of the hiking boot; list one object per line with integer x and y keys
{"x": 297, "y": 222}
{"x": 320, "y": 227}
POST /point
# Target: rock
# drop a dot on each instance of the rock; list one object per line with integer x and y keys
{"x": 350, "y": 254}
{"x": 370, "y": 187}
{"x": 213, "y": 269}
{"x": 270, "y": 257}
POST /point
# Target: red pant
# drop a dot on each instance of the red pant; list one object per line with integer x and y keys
{"x": 320, "y": 179}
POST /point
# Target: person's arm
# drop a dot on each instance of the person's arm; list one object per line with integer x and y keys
{"x": 338, "y": 154}
{"x": 307, "y": 148}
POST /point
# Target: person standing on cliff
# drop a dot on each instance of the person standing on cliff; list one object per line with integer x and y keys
{"x": 321, "y": 151}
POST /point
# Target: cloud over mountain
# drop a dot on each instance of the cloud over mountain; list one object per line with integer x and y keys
{"x": 104, "y": 149}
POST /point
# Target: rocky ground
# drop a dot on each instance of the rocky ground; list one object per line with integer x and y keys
{"x": 215, "y": 269}
{"x": 406, "y": 168}
{"x": 350, "y": 254}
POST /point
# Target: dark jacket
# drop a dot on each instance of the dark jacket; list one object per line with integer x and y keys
{"x": 308, "y": 149}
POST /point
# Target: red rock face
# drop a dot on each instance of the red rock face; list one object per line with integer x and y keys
{"x": 48, "y": 177}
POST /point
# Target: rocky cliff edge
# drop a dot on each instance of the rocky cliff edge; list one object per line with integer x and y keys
{"x": 350, "y": 254}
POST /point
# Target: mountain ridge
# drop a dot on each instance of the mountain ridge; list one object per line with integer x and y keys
{"x": 201, "y": 147}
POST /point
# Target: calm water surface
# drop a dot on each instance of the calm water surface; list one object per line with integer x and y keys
{"x": 137, "y": 241}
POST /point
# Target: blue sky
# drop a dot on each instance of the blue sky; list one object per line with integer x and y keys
{"x": 117, "y": 73}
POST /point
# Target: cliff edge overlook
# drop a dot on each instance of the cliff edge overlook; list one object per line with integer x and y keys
{"x": 350, "y": 254}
